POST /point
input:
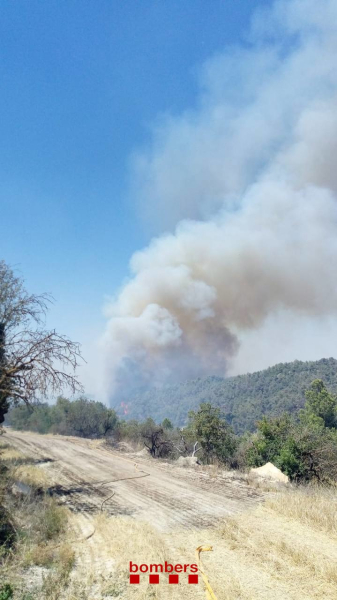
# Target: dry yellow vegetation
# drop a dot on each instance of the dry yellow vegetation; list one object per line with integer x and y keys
{"x": 33, "y": 476}
{"x": 11, "y": 455}
{"x": 286, "y": 549}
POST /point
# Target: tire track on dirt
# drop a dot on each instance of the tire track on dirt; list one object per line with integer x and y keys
{"x": 85, "y": 476}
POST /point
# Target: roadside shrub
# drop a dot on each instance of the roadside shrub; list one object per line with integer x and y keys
{"x": 39, "y": 555}
{"x": 7, "y": 531}
{"x": 131, "y": 431}
{"x": 66, "y": 558}
{"x": 53, "y": 520}
{"x": 303, "y": 451}
{"x": 6, "y": 592}
{"x": 32, "y": 476}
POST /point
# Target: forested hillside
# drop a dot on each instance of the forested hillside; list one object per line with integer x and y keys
{"x": 243, "y": 399}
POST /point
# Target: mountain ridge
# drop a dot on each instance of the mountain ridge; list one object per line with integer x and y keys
{"x": 243, "y": 398}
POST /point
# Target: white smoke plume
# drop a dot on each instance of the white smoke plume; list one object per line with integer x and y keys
{"x": 248, "y": 178}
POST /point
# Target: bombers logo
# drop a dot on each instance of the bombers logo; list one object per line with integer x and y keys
{"x": 154, "y": 571}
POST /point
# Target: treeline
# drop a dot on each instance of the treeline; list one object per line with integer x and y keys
{"x": 82, "y": 417}
{"x": 243, "y": 399}
{"x": 304, "y": 447}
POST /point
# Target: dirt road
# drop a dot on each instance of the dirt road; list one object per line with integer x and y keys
{"x": 130, "y": 508}
{"x": 89, "y": 478}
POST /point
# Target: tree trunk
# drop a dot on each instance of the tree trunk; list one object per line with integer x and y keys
{"x": 4, "y": 404}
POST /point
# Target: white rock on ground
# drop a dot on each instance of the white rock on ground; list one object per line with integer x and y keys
{"x": 143, "y": 452}
{"x": 187, "y": 461}
{"x": 269, "y": 471}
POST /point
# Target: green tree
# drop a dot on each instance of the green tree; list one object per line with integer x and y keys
{"x": 60, "y": 416}
{"x": 40, "y": 418}
{"x": 303, "y": 449}
{"x": 271, "y": 437}
{"x": 130, "y": 430}
{"x": 87, "y": 418}
{"x": 6, "y": 592}
{"x": 215, "y": 436}
{"x": 321, "y": 406}
{"x": 18, "y": 417}
{"x": 155, "y": 438}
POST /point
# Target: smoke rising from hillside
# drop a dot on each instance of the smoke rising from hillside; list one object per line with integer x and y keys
{"x": 248, "y": 179}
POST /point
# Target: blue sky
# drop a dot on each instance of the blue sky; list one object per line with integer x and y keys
{"x": 81, "y": 84}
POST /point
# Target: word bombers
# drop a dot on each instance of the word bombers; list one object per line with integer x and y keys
{"x": 154, "y": 571}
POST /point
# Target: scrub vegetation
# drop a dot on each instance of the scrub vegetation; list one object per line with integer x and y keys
{"x": 302, "y": 445}
{"x": 34, "y": 552}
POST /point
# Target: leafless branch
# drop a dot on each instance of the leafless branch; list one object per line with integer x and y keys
{"x": 34, "y": 362}
{"x": 195, "y": 449}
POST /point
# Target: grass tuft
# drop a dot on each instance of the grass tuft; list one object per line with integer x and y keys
{"x": 33, "y": 476}
{"x": 11, "y": 456}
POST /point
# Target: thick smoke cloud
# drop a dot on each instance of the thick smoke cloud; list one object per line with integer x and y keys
{"x": 248, "y": 179}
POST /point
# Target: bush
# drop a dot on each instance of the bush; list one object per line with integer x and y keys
{"x": 304, "y": 449}
{"x": 7, "y": 531}
{"x": 6, "y": 592}
{"x": 155, "y": 439}
{"x": 53, "y": 521}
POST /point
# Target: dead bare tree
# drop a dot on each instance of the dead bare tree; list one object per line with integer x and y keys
{"x": 184, "y": 449}
{"x": 34, "y": 362}
{"x": 195, "y": 449}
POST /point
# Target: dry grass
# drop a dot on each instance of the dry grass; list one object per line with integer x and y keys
{"x": 40, "y": 555}
{"x": 51, "y": 520}
{"x": 66, "y": 557}
{"x": 96, "y": 443}
{"x": 33, "y": 476}
{"x": 41, "y": 545}
{"x": 9, "y": 455}
{"x": 125, "y": 539}
{"x": 50, "y": 554}
{"x": 40, "y": 528}
{"x": 286, "y": 548}
{"x": 56, "y": 580}
{"x": 313, "y": 506}
{"x": 102, "y": 565}
{"x": 22, "y": 468}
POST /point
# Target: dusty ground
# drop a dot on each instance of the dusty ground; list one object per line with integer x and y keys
{"x": 131, "y": 508}
{"x": 281, "y": 548}
{"x": 165, "y": 496}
